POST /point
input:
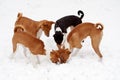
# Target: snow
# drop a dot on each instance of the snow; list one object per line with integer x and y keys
{"x": 83, "y": 66}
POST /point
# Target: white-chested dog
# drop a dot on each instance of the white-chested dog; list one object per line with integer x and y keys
{"x": 62, "y": 24}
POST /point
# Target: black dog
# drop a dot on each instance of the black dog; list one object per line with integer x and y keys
{"x": 63, "y": 23}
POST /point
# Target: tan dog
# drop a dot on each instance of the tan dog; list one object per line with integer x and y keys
{"x": 60, "y": 55}
{"x": 35, "y": 45}
{"x": 81, "y": 31}
{"x": 31, "y": 26}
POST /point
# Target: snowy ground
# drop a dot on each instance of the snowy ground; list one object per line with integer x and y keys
{"x": 83, "y": 66}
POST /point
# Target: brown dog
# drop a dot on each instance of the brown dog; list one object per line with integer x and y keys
{"x": 81, "y": 31}
{"x": 60, "y": 55}
{"x": 31, "y": 26}
{"x": 35, "y": 45}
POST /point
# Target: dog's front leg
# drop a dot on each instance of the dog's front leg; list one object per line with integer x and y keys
{"x": 15, "y": 47}
{"x": 25, "y": 51}
{"x": 12, "y": 55}
{"x": 64, "y": 39}
{"x": 37, "y": 57}
{"x": 33, "y": 60}
{"x": 39, "y": 33}
{"x": 75, "y": 51}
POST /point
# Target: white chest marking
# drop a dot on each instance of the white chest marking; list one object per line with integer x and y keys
{"x": 39, "y": 33}
{"x": 58, "y": 29}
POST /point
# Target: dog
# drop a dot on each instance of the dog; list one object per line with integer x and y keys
{"x": 62, "y": 24}
{"x": 59, "y": 56}
{"x": 36, "y": 46}
{"x": 32, "y": 27}
{"x": 81, "y": 31}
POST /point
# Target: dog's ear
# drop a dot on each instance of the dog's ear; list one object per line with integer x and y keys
{"x": 52, "y": 22}
{"x": 53, "y": 50}
{"x": 19, "y": 16}
{"x": 67, "y": 51}
{"x": 45, "y": 23}
{"x": 54, "y": 35}
{"x": 63, "y": 47}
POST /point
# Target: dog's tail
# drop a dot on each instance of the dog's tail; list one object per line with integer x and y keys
{"x": 19, "y": 28}
{"x": 99, "y": 26}
{"x": 19, "y": 16}
{"x": 81, "y": 13}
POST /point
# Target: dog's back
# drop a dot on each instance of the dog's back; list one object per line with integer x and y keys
{"x": 35, "y": 45}
{"x": 85, "y": 29}
{"x": 68, "y": 21}
{"x": 31, "y": 26}
{"x": 26, "y": 22}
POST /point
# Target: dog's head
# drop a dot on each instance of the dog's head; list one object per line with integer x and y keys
{"x": 54, "y": 56}
{"x": 46, "y": 25}
{"x": 64, "y": 55}
{"x": 60, "y": 55}
{"x": 58, "y": 37}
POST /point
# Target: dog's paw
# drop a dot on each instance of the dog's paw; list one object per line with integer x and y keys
{"x": 11, "y": 56}
{"x": 100, "y": 60}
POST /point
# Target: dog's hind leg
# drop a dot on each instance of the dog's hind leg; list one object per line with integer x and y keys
{"x": 24, "y": 50}
{"x": 38, "y": 61}
{"x": 95, "y": 44}
{"x": 14, "y": 46}
{"x": 33, "y": 60}
{"x": 14, "y": 50}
